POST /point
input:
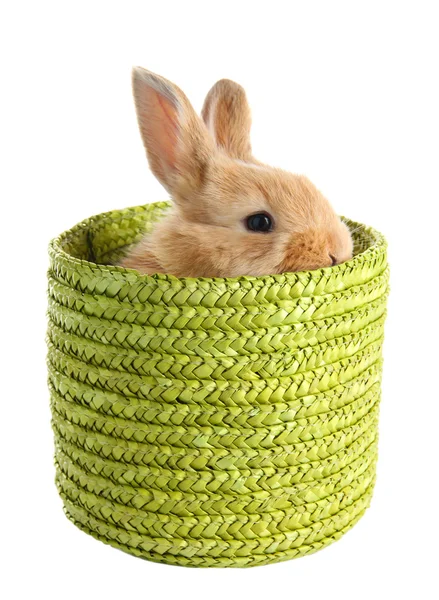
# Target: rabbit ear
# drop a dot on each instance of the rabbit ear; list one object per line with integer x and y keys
{"x": 177, "y": 143}
{"x": 227, "y": 115}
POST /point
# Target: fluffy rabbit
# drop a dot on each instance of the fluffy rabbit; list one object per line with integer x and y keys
{"x": 232, "y": 215}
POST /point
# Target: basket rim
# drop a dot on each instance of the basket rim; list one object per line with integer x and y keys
{"x": 376, "y": 250}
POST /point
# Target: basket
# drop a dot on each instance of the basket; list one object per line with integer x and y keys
{"x": 213, "y": 422}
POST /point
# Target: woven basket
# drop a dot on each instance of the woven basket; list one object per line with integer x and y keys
{"x": 213, "y": 422}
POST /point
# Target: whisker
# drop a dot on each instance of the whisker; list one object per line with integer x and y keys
{"x": 352, "y": 231}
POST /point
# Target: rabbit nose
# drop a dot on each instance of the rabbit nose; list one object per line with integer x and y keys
{"x": 333, "y": 259}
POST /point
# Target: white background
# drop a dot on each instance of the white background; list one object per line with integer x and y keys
{"x": 345, "y": 92}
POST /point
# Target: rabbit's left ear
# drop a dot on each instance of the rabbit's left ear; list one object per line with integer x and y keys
{"x": 176, "y": 140}
{"x": 227, "y": 116}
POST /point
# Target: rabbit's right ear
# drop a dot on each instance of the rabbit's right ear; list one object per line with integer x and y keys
{"x": 177, "y": 142}
{"x": 227, "y": 115}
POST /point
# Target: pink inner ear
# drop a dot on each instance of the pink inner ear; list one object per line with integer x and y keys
{"x": 158, "y": 120}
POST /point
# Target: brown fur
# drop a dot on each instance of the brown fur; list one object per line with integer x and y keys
{"x": 228, "y": 119}
{"x": 215, "y": 184}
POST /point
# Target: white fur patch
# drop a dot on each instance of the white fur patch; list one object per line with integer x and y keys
{"x": 251, "y": 165}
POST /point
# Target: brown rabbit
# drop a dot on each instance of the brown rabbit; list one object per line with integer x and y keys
{"x": 232, "y": 215}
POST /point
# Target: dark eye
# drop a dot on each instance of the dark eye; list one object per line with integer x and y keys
{"x": 260, "y": 222}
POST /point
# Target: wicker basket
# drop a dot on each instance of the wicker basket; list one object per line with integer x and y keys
{"x": 213, "y": 422}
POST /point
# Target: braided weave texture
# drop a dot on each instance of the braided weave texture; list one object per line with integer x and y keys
{"x": 212, "y": 422}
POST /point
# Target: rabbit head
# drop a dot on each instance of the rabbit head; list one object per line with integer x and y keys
{"x": 232, "y": 215}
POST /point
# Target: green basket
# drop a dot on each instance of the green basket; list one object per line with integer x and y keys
{"x": 213, "y": 422}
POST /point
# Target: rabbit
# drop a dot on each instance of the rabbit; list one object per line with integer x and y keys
{"x": 232, "y": 215}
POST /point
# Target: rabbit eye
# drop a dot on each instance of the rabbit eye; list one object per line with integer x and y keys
{"x": 261, "y": 222}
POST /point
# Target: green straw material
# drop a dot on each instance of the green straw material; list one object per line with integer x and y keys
{"x": 213, "y": 422}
